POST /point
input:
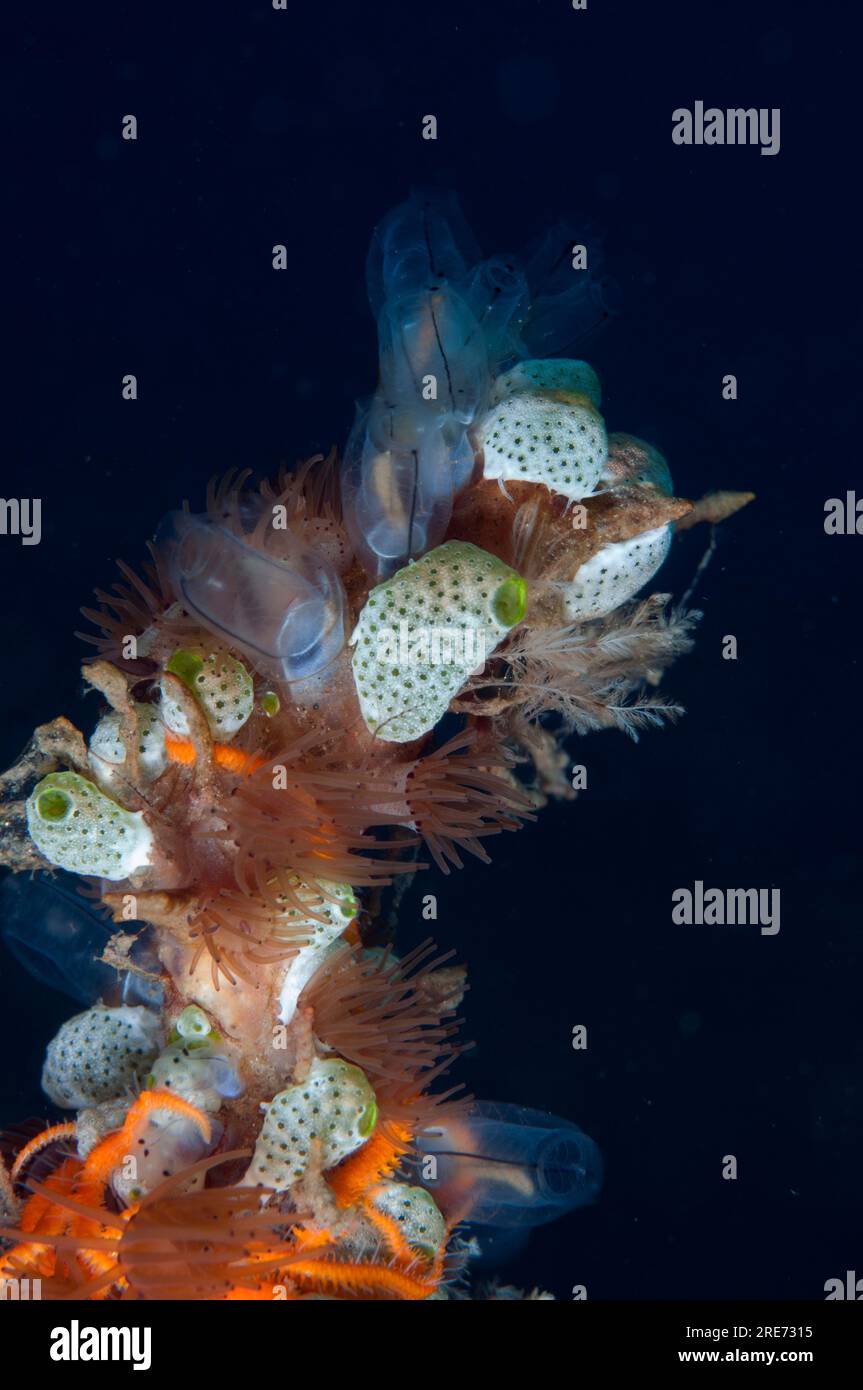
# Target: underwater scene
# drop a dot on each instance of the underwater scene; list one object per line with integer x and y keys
{"x": 427, "y": 575}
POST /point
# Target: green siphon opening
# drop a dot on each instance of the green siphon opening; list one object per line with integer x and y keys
{"x": 368, "y": 1119}
{"x": 270, "y": 703}
{"x": 53, "y": 805}
{"x": 186, "y": 665}
{"x": 193, "y": 1022}
{"x": 509, "y": 604}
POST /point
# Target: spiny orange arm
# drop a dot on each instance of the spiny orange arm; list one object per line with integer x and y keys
{"x": 311, "y": 1240}
{"x": 26, "y": 1259}
{"x": 109, "y": 1155}
{"x": 111, "y": 1152}
{"x": 63, "y": 1236}
{"x": 360, "y": 1278}
{"x": 40, "y": 1214}
{"x": 406, "y": 1257}
{"x": 101, "y": 1262}
{"x": 182, "y": 750}
{"x": 42, "y": 1217}
{"x": 279, "y": 1263}
{"x": 404, "y": 1254}
{"x": 67, "y": 1130}
{"x": 376, "y": 1160}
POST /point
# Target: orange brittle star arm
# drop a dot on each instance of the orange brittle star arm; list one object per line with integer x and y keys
{"x": 41, "y": 1217}
{"x": 365, "y": 1169}
{"x": 108, "y": 1155}
{"x": 67, "y": 1130}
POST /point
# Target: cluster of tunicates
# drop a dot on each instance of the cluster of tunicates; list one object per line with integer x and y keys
{"x": 384, "y": 602}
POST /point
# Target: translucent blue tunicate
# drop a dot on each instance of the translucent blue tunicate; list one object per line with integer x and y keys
{"x": 55, "y": 935}
{"x": 499, "y": 298}
{"x": 448, "y": 322}
{"x": 566, "y": 303}
{"x": 460, "y": 452}
{"x": 419, "y": 244}
{"x": 398, "y": 499}
{"x": 139, "y": 989}
{"x": 433, "y": 361}
{"x": 144, "y": 989}
{"x": 409, "y": 452}
{"x": 506, "y": 1165}
{"x": 559, "y": 320}
{"x": 222, "y": 1076}
{"x": 287, "y": 615}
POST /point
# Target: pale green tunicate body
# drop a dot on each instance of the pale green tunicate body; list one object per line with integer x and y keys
{"x": 563, "y": 374}
{"x": 322, "y": 937}
{"x": 615, "y": 574}
{"x": 198, "y": 1073}
{"x": 100, "y": 1055}
{"x": 554, "y": 438}
{"x": 423, "y": 632}
{"x": 107, "y": 752}
{"x": 77, "y": 827}
{"x": 632, "y": 462}
{"x": 418, "y": 1217}
{"x": 194, "y": 1063}
{"x": 221, "y": 685}
{"x": 169, "y": 1144}
{"x": 331, "y": 1114}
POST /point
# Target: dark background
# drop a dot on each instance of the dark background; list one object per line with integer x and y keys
{"x": 258, "y": 127}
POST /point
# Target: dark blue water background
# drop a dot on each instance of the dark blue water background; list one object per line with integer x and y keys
{"x": 155, "y": 258}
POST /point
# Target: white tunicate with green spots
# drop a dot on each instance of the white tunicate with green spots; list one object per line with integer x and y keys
{"x": 100, "y": 1054}
{"x": 331, "y": 1114}
{"x": 321, "y": 938}
{"x": 416, "y": 1213}
{"x": 77, "y": 827}
{"x": 107, "y": 752}
{"x": 634, "y": 463}
{"x": 422, "y": 633}
{"x": 194, "y": 1064}
{"x": 565, "y": 374}
{"x": 536, "y": 438}
{"x": 168, "y": 1144}
{"x": 196, "y": 1072}
{"x": 615, "y": 574}
{"x": 221, "y": 685}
